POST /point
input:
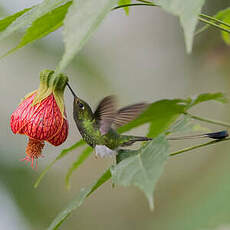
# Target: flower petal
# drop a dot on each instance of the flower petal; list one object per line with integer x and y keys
{"x": 61, "y": 136}
{"x": 41, "y": 121}
{"x": 19, "y": 115}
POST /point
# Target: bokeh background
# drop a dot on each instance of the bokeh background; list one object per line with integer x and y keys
{"x": 139, "y": 58}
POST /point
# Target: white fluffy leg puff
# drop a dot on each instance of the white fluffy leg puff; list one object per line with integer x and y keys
{"x": 104, "y": 151}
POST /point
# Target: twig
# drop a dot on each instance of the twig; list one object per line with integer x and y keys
{"x": 198, "y": 146}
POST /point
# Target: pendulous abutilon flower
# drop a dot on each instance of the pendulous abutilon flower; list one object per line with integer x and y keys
{"x": 41, "y": 115}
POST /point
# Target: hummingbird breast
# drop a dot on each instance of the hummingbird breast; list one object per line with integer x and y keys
{"x": 89, "y": 132}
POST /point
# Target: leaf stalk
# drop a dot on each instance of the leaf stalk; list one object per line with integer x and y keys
{"x": 215, "y": 122}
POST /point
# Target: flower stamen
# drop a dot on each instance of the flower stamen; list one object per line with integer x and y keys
{"x": 33, "y": 151}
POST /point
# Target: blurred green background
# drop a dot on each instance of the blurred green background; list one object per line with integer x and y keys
{"x": 139, "y": 58}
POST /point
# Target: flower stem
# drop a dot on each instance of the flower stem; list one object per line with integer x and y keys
{"x": 213, "y": 24}
{"x": 197, "y": 146}
{"x": 221, "y": 123}
{"x": 133, "y": 4}
{"x": 217, "y": 21}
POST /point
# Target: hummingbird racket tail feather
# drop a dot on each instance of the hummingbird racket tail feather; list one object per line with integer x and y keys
{"x": 218, "y": 135}
{"x": 215, "y": 135}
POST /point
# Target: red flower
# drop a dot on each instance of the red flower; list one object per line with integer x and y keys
{"x": 41, "y": 115}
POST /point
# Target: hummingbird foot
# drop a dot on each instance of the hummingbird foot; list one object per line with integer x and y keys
{"x": 104, "y": 151}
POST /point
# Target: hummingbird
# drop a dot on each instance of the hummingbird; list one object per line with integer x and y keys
{"x": 98, "y": 128}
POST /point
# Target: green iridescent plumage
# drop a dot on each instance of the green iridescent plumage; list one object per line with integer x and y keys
{"x": 98, "y": 128}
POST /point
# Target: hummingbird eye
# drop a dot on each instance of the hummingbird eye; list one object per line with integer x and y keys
{"x": 81, "y": 106}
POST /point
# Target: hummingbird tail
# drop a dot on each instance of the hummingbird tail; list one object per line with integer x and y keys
{"x": 141, "y": 139}
{"x": 129, "y": 140}
{"x": 216, "y": 135}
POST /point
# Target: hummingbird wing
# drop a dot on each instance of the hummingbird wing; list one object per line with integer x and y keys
{"x": 128, "y": 113}
{"x": 105, "y": 113}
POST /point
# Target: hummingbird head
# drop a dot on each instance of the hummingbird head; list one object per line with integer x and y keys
{"x": 82, "y": 110}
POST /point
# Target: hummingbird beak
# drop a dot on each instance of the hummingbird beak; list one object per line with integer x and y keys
{"x": 71, "y": 90}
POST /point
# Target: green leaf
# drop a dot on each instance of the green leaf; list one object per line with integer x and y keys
{"x": 125, "y": 153}
{"x": 78, "y": 200}
{"x": 82, "y": 19}
{"x": 185, "y": 124}
{"x": 188, "y": 12}
{"x": 144, "y": 168}
{"x": 160, "y": 113}
{"x": 80, "y": 159}
{"x": 5, "y": 22}
{"x": 30, "y": 16}
{"x": 170, "y": 113}
{"x": 180, "y": 125}
{"x": 43, "y": 26}
{"x": 124, "y": 2}
{"x": 224, "y": 15}
{"x": 63, "y": 153}
{"x": 220, "y": 97}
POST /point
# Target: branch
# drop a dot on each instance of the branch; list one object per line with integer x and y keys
{"x": 198, "y": 146}
{"x": 202, "y": 17}
{"x": 213, "y": 24}
{"x": 132, "y": 4}
{"x": 217, "y": 21}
